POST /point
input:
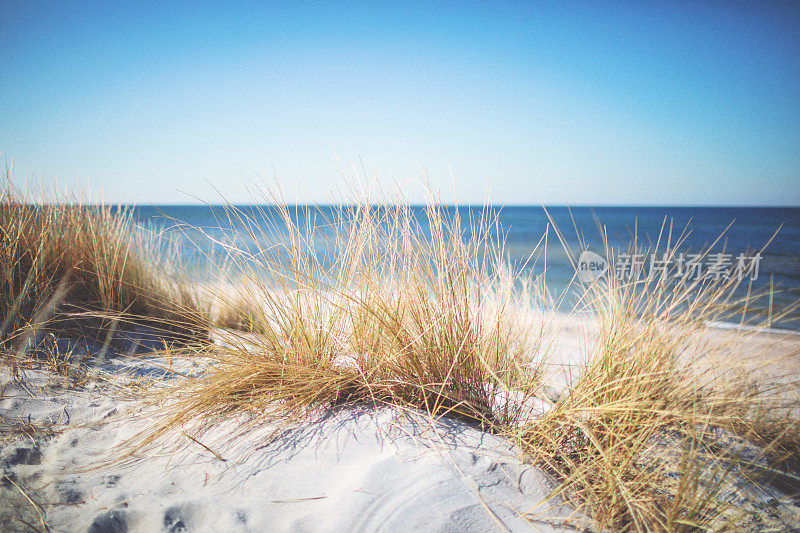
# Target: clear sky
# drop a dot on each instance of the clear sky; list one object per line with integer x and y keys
{"x": 576, "y": 103}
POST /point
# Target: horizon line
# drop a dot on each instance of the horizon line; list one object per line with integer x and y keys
{"x": 444, "y": 204}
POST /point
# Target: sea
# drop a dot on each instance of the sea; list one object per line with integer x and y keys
{"x": 758, "y": 245}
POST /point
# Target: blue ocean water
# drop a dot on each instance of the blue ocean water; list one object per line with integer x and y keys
{"x": 204, "y": 230}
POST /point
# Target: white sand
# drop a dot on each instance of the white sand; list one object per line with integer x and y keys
{"x": 351, "y": 470}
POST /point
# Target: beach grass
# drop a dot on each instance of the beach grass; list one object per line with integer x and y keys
{"x": 70, "y": 267}
{"x": 649, "y": 436}
{"x": 662, "y": 416}
{"x": 389, "y": 314}
{"x": 373, "y": 306}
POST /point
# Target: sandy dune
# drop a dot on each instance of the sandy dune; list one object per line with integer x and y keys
{"x": 349, "y": 470}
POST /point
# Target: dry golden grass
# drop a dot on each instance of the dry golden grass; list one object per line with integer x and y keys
{"x": 636, "y": 441}
{"x": 438, "y": 322}
{"x": 83, "y": 269}
{"x": 370, "y": 306}
{"x": 373, "y": 306}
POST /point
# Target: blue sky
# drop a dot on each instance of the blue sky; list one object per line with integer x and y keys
{"x": 579, "y": 103}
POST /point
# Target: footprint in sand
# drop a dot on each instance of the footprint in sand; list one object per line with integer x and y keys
{"x": 114, "y": 521}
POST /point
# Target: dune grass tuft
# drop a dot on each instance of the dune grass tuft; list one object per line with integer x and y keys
{"x": 663, "y": 419}
{"x": 377, "y": 305}
{"x": 68, "y": 267}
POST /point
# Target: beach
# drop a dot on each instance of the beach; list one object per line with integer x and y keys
{"x": 385, "y": 369}
{"x": 355, "y": 468}
{"x": 504, "y": 266}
